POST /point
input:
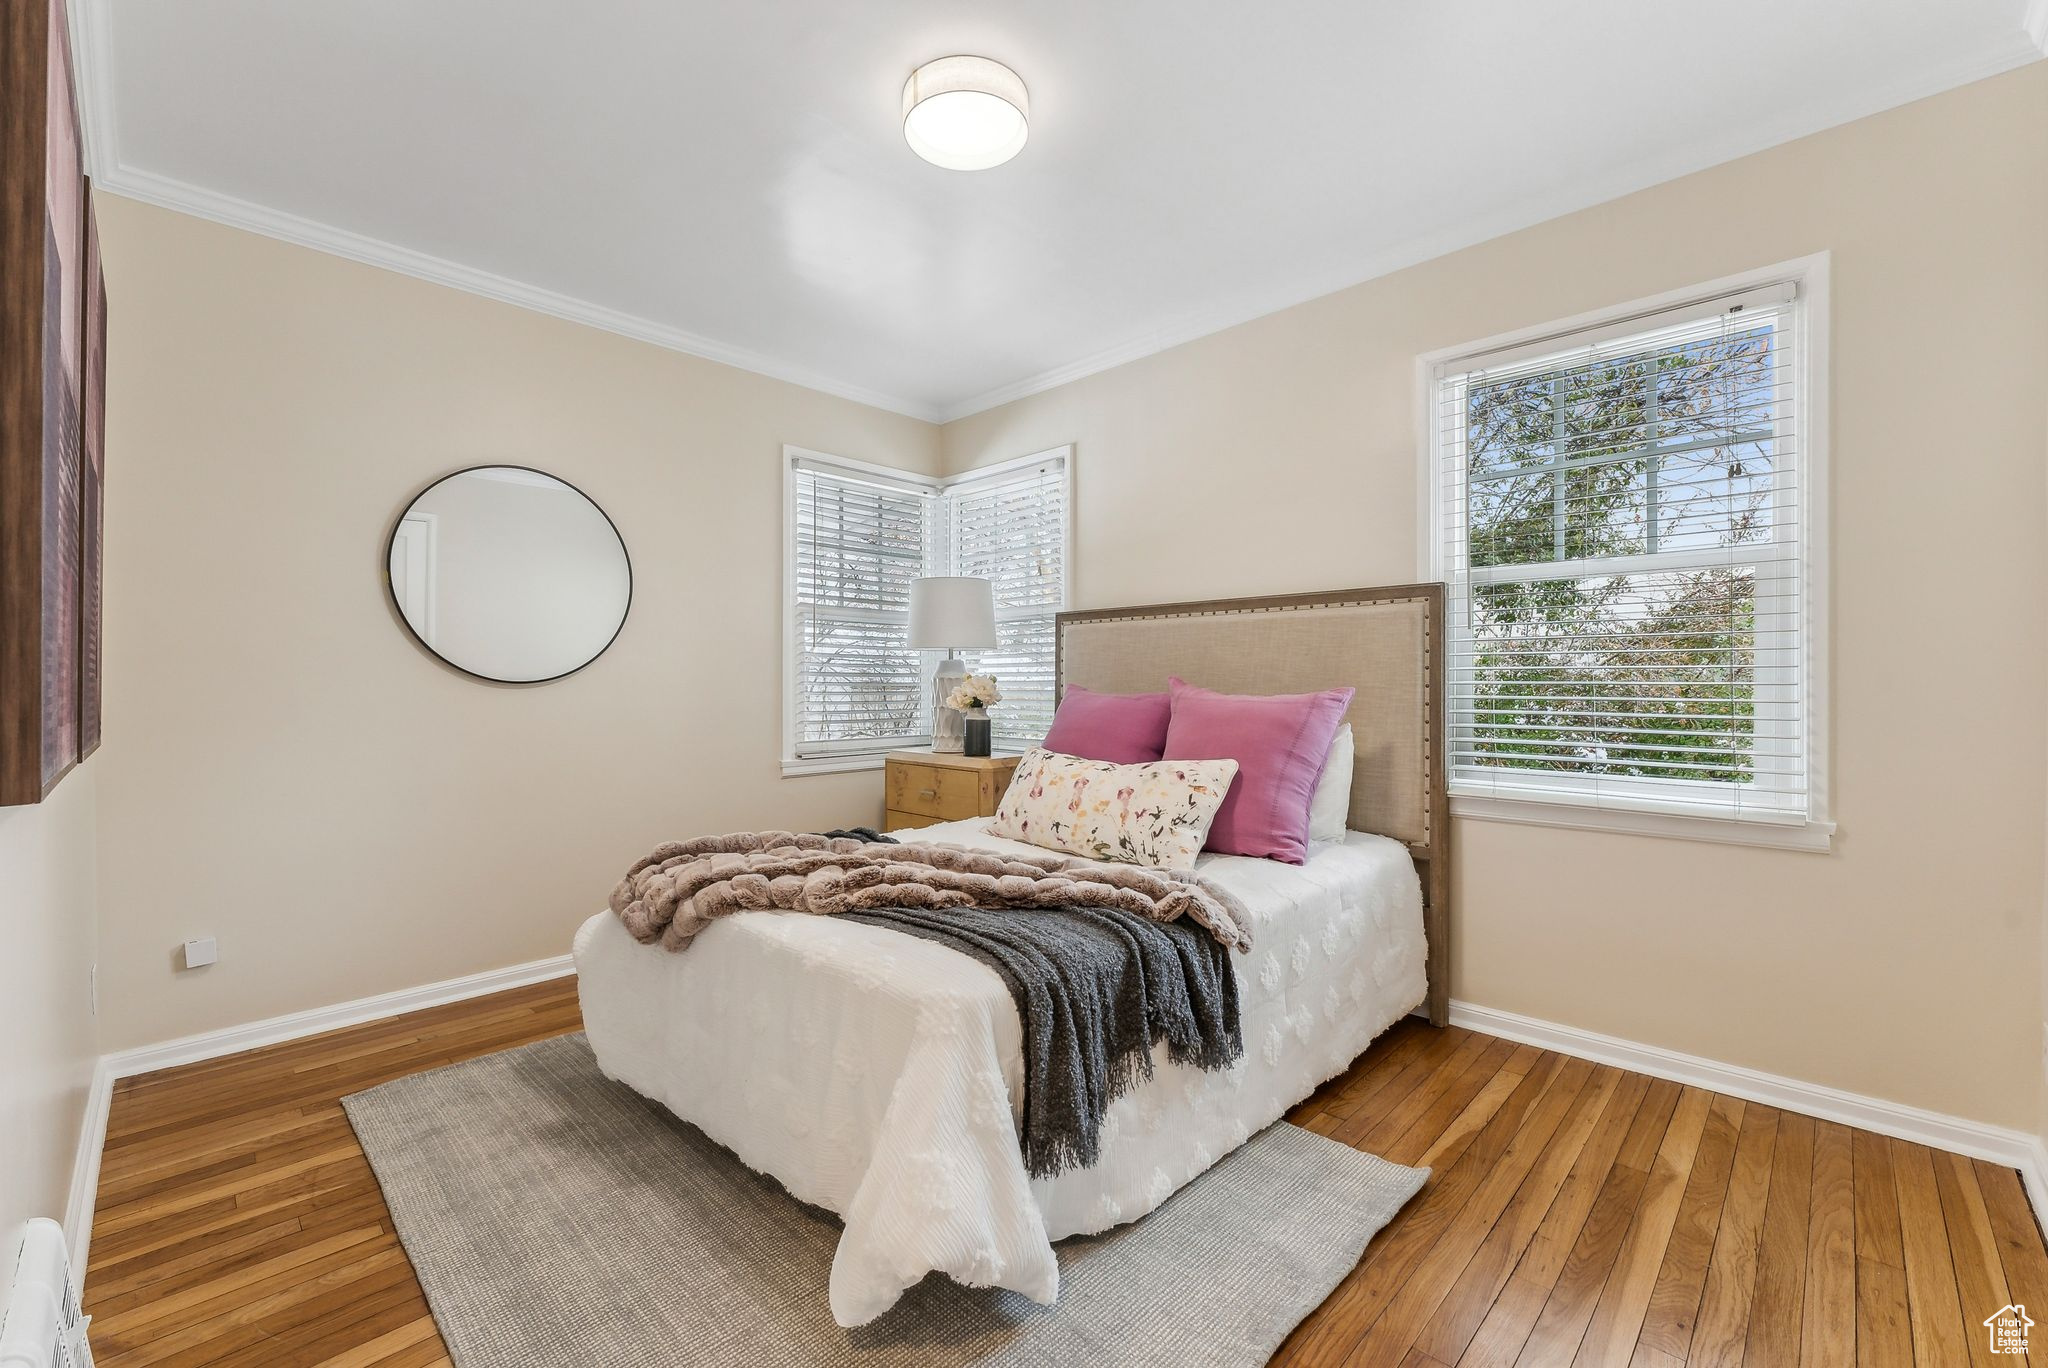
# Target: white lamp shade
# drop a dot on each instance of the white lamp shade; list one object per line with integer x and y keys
{"x": 952, "y": 610}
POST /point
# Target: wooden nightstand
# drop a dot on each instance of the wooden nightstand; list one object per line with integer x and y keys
{"x": 924, "y": 787}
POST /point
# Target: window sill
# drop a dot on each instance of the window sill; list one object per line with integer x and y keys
{"x": 1813, "y": 836}
{"x": 833, "y": 764}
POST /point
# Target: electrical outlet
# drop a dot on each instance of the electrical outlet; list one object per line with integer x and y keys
{"x": 200, "y": 953}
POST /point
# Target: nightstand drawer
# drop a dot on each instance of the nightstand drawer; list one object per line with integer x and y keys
{"x": 944, "y": 795}
{"x": 908, "y": 821}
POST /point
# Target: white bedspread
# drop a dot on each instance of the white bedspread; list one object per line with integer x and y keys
{"x": 879, "y": 1076}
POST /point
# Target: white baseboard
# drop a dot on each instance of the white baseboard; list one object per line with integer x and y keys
{"x": 85, "y": 1171}
{"x": 92, "y": 1131}
{"x": 2034, "y": 1173}
{"x": 296, "y": 1025}
{"x": 2015, "y": 1149}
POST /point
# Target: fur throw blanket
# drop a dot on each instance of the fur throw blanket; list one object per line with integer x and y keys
{"x": 678, "y": 889}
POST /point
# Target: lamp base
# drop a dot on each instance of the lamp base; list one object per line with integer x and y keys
{"x": 949, "y": 731}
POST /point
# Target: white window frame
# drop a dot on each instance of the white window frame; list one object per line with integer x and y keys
{"x": 873, "y": 754}
{"x": 1548, "y": 803}
{"x": 965, "y": 481}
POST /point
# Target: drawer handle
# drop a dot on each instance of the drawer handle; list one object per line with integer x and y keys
{"x": 927, "y": 793}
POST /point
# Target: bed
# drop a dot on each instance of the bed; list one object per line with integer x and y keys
{"x": 873, "y": 1074}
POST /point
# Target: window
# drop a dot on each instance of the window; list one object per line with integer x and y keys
{"x": 858, "y": 535}
{"x": 1010, "y": 528}
{"x": 1625, "y": 514}
{"x": 857, "y": 539}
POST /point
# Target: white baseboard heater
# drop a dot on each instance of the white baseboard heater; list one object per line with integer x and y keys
{"x": 44, "y": 1327}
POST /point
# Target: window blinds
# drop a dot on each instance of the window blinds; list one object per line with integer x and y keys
{"x": 1011, "y": 529}
{"x": 1620, "y": 516}
{"x": 856, "y": 544}
{"x": 858, "y": 537}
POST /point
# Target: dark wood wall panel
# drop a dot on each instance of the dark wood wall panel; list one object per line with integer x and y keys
{"x": 24, "y": 67}
{"x": 52, "y": 388}
{"x": 92, "y": 473}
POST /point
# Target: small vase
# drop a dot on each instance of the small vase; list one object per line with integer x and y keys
{"x": 978, "y": 739}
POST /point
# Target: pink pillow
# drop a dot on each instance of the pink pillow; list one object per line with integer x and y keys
{"x": 1124, "y": 729}
{"x": 1279, "y": 741}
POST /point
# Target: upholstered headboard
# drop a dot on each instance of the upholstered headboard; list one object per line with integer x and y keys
{"x": 1386, "y": 643}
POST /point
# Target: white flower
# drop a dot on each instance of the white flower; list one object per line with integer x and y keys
{"x": 975, "y": 691}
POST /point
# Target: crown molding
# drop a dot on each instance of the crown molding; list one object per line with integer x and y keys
{"x": 99, "y": 125}
{"x": 2018, "y": 51}
{"x": 90, "y": 44}
{"x": 272, "y": 223}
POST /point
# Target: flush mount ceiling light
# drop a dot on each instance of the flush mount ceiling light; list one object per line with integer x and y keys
{"x": 965, "y": 113}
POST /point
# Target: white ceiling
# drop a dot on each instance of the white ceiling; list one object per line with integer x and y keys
{"x": 730, "y": 178}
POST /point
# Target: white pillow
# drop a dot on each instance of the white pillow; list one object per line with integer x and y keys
{"x": 1155, "y": 814}
{"x": 1330, "y": 810}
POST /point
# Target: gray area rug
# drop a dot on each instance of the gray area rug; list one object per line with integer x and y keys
{"x": 558, "y": 1218}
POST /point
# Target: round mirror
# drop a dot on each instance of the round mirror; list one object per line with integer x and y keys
{"x": 509, "y": 574}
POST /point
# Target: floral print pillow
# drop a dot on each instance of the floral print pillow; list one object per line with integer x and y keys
{"x": 1155, "y": 814}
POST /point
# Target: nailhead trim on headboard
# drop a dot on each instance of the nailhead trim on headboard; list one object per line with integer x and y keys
{"x": 1245, "y": 607}
{"x": 1432, "y": 854}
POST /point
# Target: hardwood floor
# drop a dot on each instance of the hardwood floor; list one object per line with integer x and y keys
{"x": 1577, "y": 1214}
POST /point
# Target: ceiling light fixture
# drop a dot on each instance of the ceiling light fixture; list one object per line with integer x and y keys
{"x": 965, "y": 113}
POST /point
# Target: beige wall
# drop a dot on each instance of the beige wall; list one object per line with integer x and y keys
{"x": 284, "y": 767}
{"x": 46, "y": 925}
{"x": 286, "y": 770}
{"x": 1281, "y": 455}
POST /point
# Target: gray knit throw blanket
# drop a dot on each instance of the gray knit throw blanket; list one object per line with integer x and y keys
{"x": 1096, "y": 989}
{"x": 1098, "y": 983}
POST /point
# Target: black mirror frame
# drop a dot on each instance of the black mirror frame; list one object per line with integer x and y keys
{"x": 391, "y": 590}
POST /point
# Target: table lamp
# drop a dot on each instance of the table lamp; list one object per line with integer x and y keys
{"x": 950, "y": 613}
